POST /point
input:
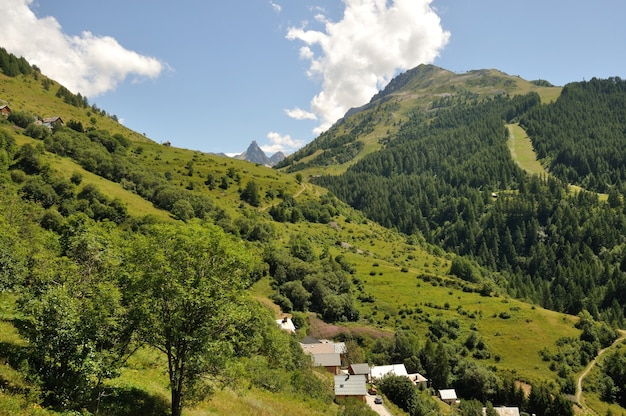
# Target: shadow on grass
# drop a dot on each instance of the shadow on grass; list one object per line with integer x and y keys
{"x": 130, "y": 401}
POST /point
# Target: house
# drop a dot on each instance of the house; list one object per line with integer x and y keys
{"x": 53, "y": 121}
{"x": 330, "y": 361}
{"x": 361, "y": 369}
{"x": 419, "y": 380}
{"x": 5, "y": 110}
{"x": 380, "y": 371}
{"x": 325, "y": 353}
{"x": 448, "y": 396}
{"x": 347, "y": 385}
{"x": 504, "y": 411}
{"x": 312, "y": 346}
{"x": 286, "y": 325}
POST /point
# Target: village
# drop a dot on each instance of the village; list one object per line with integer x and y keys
{"x": 358, "y": 380}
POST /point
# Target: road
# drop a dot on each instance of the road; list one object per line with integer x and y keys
{"x": 579, "y": 384}
{"x": 378, "y": 408}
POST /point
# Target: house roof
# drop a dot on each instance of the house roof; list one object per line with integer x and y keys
{"x": 350, "y": 385}
{"x": 393, "y": 369}
{"x": 54, "y": 119}
{"x": 447, "y": 394}
{"x": 417, "y": 378}
{"x": 310, "y": 340}
{"x": 504, "y": 411}
{"x": 327, "y": 360}
{"x": 286, "y": 324}
{"x": 361, "y": 368}
{"x": 324, "y": 347}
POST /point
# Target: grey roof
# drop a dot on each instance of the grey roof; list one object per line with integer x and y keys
{"x": 327, "y": 359}
{"x": 310, "y": 340}
{"x": 361, "y": 368}
{"x": 347, "y": 385}
{"x": 447, "y": 394}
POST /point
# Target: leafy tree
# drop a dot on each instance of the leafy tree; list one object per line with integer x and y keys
{"x": 251, "y": 194}
{"x": 189, "y": 283}
{"x": 21, "y": 119}
{"x": 182, "y": 210}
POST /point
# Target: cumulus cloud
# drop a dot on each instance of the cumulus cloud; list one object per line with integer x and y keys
{"x": 300, "y": 114}
{"x": 91, "y": 65}
{"x": 280, "y": 143}
{"x": 361, "y": 53}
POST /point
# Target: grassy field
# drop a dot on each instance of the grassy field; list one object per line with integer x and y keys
{"x": 522, "y": 151}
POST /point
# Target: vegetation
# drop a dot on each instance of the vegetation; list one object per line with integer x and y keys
{"x": 137, "y": 278}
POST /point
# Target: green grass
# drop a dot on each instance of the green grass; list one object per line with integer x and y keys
{"x": 522, "y": 150}
{"x": 523, "y": 153}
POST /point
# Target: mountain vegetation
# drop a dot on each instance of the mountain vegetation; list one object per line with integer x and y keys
{"x": 139, "y": 278}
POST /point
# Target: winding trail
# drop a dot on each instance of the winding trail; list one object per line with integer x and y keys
{"x": 579, "y": 384}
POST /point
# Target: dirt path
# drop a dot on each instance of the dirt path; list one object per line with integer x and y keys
{"x": 579, "y": 384}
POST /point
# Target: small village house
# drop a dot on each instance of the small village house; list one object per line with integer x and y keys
{"x": 419, "y": 380}
{"x": 330, "y": 361}
{"x": 324, "y": 353}
{"x": 347, "y": 385}
{"x": 380, "y": 371}
{"x": 5, "y": 110}
{"x": 360, "y": 368}
{"x": 448, "y": 396}
{"x": 53, "y": 121}
{"x": 286, "y": 325}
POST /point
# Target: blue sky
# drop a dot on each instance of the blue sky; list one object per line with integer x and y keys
{"x": 214, "y": 76}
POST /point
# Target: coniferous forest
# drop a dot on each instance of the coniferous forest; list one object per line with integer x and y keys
{"x": 450, "y": 177}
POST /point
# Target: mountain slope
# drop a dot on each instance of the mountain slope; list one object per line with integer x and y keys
{"x": 422, "y": 89}
{"x": 398, "y": 298}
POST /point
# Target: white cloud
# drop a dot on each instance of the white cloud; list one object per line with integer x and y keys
{"x": 280, "y": 143}
{"x": 362, "y": 52}
{"x": 300, "y": 114}
{"x": 88, "y": 64}
{"x": 277, "y": 7}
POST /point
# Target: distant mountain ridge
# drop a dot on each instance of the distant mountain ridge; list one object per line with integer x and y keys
{"x": 255, "y": 154}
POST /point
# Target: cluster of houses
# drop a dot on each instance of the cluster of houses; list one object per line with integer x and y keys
{"x": 351, "y": 380}
{"x": 49, "y": 122}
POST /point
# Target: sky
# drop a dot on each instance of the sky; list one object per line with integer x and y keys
{"x": 214, "y": 76}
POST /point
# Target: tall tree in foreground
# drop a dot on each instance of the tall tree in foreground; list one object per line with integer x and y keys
{"x": 190, "y": 285}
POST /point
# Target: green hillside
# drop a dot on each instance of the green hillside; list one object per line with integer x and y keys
{"x": 104, "y": 231}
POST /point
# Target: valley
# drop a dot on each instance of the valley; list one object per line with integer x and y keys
{"x": 383, "y": 233}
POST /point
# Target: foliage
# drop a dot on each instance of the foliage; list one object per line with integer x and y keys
{"x": 403, "y": 393}
{"x": 581, "y": 134}
{"x": 189, "y": 286}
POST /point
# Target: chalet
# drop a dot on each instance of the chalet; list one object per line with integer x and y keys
{"x": 504, "y": 411}
{"x": 380, "y": 371}
{"x": 330, "y": 361}
{"x": 347, "y": 385}
{"x": 53, "y": 121}
{"x": 419, "y": 380}
{"x": 322, "y": 346}
{"x": 286, "y": 325}
{"x": 360, "y": 369}
{"x": 324, "y": 353}
{"x": 448, "y": 396}
{"x": 5, "y": 110}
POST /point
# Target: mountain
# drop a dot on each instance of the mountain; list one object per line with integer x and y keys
{"x": 421, "y": 90}
{"x": 255, "y": 154}
{"x": 457, "y": 263}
